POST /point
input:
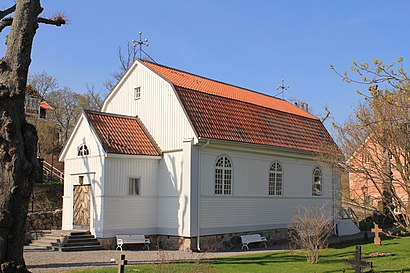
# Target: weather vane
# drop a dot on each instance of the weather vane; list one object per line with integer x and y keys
{"x": 282, "y": 89}
{"x": 140, "y": 43}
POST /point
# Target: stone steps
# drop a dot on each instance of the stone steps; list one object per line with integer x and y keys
{"x": 77, "y": 241}
{"x": 44, "y": 238}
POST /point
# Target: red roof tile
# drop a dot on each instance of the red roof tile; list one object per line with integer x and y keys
{"x": 45, "y": 105}
{"x": 194, "y": 82}
{"x": 222, "y": 111}
{"x": 226, "y": 119}
{"x": 122, "y": 134}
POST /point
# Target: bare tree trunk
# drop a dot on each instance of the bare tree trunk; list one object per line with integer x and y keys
{"x": 18, "y": 139}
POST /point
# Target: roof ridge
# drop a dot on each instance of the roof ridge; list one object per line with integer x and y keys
{"x": 108, "y": 114}
{"x": 218, "y": 81}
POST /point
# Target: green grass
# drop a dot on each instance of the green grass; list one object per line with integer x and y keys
{"x": 331, "y": 260}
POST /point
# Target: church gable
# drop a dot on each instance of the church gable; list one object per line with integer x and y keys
{"x": 83, "y": 142}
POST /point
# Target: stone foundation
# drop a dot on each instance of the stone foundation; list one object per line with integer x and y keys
{"x": 230, "y": 241}
{"x": 219, "y": 242}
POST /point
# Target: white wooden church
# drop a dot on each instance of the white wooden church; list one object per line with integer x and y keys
{"x": 178, "y": 157}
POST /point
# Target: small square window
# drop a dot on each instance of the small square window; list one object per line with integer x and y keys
{"x": 137, "y": 93}
{"x": 134, "y": 186}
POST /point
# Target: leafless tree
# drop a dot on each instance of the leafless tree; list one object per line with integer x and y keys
{"x": 91, "y": 99}
{"x": 18, "y": 139}
{"x": 126, "y": 60}
{"x": 310, "y": 229}
{"x": 66, "y": 110}
{"x": 43, "y": 83}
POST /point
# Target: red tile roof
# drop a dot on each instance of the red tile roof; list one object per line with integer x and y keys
{"x": 122, "y": 134}
{"x": 226, "y": 119}
{"x": 222, "y": 111}
{"x": 194, "y": 82}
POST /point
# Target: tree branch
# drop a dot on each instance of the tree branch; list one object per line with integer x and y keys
{"x": 4, "y": 13}
{"x": 57, "y": 21}
{"x": 6, "y": 22}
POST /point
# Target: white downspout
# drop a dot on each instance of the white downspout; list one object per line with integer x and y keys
{"x": 199, "y": 194}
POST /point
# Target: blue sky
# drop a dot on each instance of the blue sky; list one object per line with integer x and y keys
{"x": 253, "y": 44}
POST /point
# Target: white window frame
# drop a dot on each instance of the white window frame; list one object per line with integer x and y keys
{"x": 317, "y": 182}
{"x": 134, "y": 189}
{"x": 275, "y": 179}
{"x": 223, "y": 178}
{"x": 137, "y": 93}
{"x": 83, "y": 150}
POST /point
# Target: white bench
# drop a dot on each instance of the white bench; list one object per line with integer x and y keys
{"x": 252, "y": 238}
{"x": 131, "y": 239}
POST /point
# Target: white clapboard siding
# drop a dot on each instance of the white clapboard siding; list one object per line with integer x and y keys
{"x": 158, "y": 106}
{"x": 119, "y": 170}
{"x": 250, "y": 207}
{"x": 236, "y": 214}
{"x": 170, "y": 174}
{"x": 251, "y": 174}
{"x": 168, "y": 219}
{"x": 130, "y": 215}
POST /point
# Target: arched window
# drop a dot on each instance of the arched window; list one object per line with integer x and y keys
{"x": 275, "y": 178}
{"x": 317, "y": 182}
{"x": 223, "y": 176}
{"x": 83, "y": 150}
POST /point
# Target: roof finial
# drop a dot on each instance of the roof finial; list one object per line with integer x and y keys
{"x": 283, "y": 88}
{"x": 140, "y": 43}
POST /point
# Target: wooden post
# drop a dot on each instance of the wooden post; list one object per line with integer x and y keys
{"x": 357, "y": 262}
{"x": 358, "y": 259}
{"x": 121, "y": 264}
{"x": 376, "y": 230}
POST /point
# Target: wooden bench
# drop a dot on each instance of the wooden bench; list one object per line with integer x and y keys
{"x": 131, "y": 239}
{"x": 252, "y": 238}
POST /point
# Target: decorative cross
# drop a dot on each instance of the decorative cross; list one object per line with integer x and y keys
{"x": 376, "y": 230}
{"x": 357, "y": 263}
{"x": 283, "y": 88}
{"x": 140, "y": 43}
{"x": 121, "y": 264}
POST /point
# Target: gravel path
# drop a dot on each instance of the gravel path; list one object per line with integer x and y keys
{"x": 43, "y": 260}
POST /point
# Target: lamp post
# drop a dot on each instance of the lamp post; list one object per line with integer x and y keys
{"x": 364, "y": 191}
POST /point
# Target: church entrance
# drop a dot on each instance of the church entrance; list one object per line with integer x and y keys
{"x": 81, "y": 207}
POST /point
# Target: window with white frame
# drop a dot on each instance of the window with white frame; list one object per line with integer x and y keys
{"x": 134, "y": 186}
{"x": 82, "y": 150}
{"x": 137, "y": 93}
{"x": 223, "y": 176}
{"x": 317, "y": 182}
{"x": 275, "y": 179}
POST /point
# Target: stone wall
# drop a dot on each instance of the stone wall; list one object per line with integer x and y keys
{"x": 46, "y": 220}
